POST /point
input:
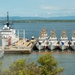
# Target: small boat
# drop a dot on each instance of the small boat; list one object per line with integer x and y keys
{"x": 63, "y": 44}
{"x": 1, "y": 53}
{"x": 72, "y": 42}
{"x": 8, "y": 34}
{"x": 42, "y": 40}
{"x": 53, "y": 42}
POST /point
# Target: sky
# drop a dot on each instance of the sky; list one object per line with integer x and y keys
{"x": 37, "y": 8}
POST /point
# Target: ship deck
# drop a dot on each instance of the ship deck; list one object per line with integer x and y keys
{"x": 22, "y": 46}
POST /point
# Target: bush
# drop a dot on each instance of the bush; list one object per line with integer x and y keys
{"x": 47, "y": 66}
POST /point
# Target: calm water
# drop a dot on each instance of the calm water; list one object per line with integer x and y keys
{"x": 67, "y": 61}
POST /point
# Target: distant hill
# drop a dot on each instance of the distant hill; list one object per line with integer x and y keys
{"x": 39, "y": 18}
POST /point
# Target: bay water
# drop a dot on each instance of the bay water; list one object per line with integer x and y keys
{"x": 65, "y": 60}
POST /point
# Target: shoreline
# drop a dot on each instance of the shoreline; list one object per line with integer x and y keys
{"x": 53, "y": 52}
{"x": 34, "y": 21}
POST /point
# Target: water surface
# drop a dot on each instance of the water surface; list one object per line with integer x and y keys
{"x": 65, "y": 60}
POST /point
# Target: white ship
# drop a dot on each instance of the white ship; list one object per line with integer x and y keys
{"x": 8, "y": 34}
{"x": 1, "y": 53}
{"x": 42, "y": 40}
{"x": 63, "y": 44}
{"x": 72, "y": 42}
{"x": 53, "y": 42}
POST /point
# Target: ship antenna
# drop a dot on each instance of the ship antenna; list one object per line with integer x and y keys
{"x": 7, "y": 23}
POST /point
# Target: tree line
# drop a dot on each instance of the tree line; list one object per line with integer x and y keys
{"x": 32, "y": 21}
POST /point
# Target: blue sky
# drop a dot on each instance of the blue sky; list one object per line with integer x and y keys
{"x": 36, "y": 8}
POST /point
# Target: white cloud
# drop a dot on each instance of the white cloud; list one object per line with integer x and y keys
{"x": 47, "y": 7}
{"x": 57, "y": 11}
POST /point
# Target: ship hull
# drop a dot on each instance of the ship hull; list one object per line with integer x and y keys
{"x": 39, "y": 47}
{"x": 63, "y": 47}
{"x": 51, "y": 47}
{"x": 73, "y": 47}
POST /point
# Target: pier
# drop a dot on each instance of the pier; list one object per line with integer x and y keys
{"x": 21, "y": 46}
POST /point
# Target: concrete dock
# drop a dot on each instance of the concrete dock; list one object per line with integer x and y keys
{"x": 21, "y": 46}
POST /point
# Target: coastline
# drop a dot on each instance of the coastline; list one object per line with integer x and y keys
{"x": 34, "y": 21}
{"x": 53, "y": 52}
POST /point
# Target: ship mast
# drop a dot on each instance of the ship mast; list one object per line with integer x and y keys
{"x": 7, "y": 23}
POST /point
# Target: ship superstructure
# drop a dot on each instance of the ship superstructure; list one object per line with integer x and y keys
{"x": 53, "y": 42}
{"x": 72, "y": 42}
{"x": 42, "y": 40}
{"x": 8, "y": 34}
{"x": 63, "y": 44}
